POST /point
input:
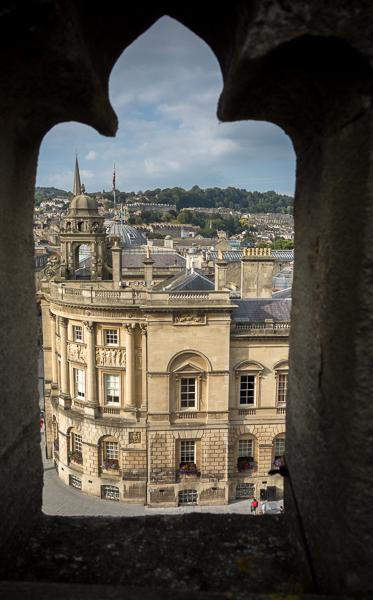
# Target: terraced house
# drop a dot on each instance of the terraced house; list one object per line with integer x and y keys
{"x": 163, "y": 393}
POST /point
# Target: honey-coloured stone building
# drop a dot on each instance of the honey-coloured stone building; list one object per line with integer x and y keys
{"x": 161, "y": 393}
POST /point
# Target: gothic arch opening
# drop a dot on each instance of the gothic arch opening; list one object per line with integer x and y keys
{"x": 333, "y": 150}
{"x": 169, "y": 133}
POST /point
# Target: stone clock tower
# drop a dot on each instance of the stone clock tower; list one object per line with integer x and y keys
{"x": 83, "y": 237}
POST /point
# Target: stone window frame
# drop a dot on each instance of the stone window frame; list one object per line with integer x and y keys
{"x": 108, "y": 331}
{"x": 281, "y": 368}
{"x": 74, "y": 445}
{"x": 188, "y": 493}
{"x": 188, "y": 392}
{"x": 255, "y": 369}
{"x": 110, "y": 488}
{"x": 76, "y": 338}
{"x": 188, "y": 452}
{"x": 254, "y": 448}
{"x": 104, "y": 457}
{"x": 277, "y": 457}
{"x": 189, "y": 371}
{"x": 81, "y": 395}
{"x": 110, "y": 373}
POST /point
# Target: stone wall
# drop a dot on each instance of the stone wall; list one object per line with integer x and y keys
{"x": 307, "y": 68}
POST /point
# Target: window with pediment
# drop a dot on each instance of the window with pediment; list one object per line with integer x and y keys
{"x": 282, "y": 378}
{"x": 188, "y": 380}
{"x": 248, "y": 376}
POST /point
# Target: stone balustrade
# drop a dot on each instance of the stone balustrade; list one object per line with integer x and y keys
{"x": 105, "y": 295}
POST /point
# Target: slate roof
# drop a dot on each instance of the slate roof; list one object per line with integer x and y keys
{"x": 194, "y": 281}
{"x": 260, "y": 309}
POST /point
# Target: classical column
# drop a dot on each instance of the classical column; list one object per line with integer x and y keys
{"x": 130, "y": 367}
{"x": 65, "y": 391}
{"x": 53, "y": 349}
{"x": 144, "y": 399}
{"x": 90, "y": 383}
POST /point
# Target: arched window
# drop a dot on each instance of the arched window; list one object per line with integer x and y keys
{"x": 278, "y": 450}
{"x": 75, "y": 447}
{"x": 109, "y": 455}
{"x": 188, "y": 379}
{"x": 245, "y": 454}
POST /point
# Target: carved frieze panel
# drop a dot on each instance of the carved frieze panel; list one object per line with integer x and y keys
{"x": 134, "y": 437}
{"x": 111, "y": 357}
{"x": 186, "y": 318}
{"x": 77, "y": 352}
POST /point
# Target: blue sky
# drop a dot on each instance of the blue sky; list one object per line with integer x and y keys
{"x": 164, "y": 89}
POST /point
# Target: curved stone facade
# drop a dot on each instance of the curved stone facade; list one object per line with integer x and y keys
{"x": 145, "y": 406}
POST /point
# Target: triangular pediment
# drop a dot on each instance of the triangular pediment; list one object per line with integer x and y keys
{"x": 189, "y": 368}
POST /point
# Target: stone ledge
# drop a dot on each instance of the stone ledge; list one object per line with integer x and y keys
{"x": 192, "y": 552}
{"x": 14, "y": 590}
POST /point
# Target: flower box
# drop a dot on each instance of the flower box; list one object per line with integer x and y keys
{"x": 111, "y": 464}
{"x": 76, "y": 457}
{"x": 188, "y": 469}
{"x": 245, "y": 463}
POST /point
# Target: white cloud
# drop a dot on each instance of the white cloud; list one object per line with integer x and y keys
{"x": 165, "y": 89}
{"x": 92, "y": 155}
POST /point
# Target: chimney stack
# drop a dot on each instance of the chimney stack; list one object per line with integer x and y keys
{"x": 148, "y": 263}
{"x": 220, "y": 271}
{"x": 116, "y": 258}
{"x": 257, "y": 269}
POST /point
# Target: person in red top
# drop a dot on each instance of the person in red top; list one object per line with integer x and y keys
{"x": 254, "y": 505}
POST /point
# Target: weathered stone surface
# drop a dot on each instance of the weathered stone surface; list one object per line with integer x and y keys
{"x": 302, "y": 65}
{"x": 190, "y": 552}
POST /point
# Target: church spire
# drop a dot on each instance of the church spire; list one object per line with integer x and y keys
{"x": 77, "y": 186}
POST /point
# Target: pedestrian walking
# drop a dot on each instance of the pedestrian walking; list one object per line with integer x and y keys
{"x": 254, "y": 505}
{"x": 264, "y": 508}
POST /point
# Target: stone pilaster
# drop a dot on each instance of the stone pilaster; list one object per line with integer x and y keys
{"x": 130, "y": 399}
{"x": 91, "y": 385}
{"x": 144, "y": 358}
{"x": 65, "y": 399}
{"x": 53, "y": 349}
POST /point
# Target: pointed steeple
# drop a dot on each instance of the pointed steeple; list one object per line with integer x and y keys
{"x": 77, "y": 186}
